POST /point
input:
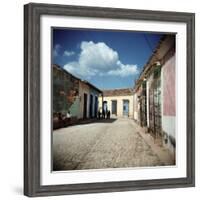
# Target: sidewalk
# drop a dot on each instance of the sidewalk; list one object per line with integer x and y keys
{"x": 164, "y": 154}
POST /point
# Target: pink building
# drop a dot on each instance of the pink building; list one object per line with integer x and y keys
{"x": 155, "y": 94}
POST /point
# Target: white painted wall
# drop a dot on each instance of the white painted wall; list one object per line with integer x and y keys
{"x": 169, "y": 125}
{"x": 11, "y": 143}
{"x": 147, "y": 100}
{"x": 135, "y": 107}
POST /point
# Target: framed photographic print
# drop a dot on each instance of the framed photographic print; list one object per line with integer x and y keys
{"x": 109, "y": 99}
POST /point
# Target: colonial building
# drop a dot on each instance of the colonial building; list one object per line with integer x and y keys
{"x": 88, "y": 99}
{"x": 118, "y": 101}
{"x": 155, "y": 94}
{"x": 72, "y": 97}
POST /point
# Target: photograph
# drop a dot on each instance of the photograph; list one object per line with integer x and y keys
{"x": 109, "y": 99}
{"x": 113, "y": 99}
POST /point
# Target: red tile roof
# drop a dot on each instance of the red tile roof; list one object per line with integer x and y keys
{"x": 118, "y": 92}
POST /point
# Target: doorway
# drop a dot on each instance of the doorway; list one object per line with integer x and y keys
{"x": 91, "y": 106}
{"x": 105, "y": 109}
{"x": 126, "y": 108}
{"x": 114, "y": 107}
{"x": 95, "y": 106}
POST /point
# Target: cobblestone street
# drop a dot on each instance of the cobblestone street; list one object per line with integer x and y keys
{"x": 114, "y": 143}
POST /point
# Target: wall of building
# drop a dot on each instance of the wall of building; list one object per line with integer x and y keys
{"x": 65, "y": 92}
{"x": 168, "y": 75}
{"x": 83, "y": 88}
{"x": 94, "y": 93}
{"x": 119, "y": 99}
{"x": 167, "y": 130}
{"x": 74, "y": 108}
{"x": 137, "y": 104}
{"x": 68, "y": 94}
{"x": 135, "y": 107}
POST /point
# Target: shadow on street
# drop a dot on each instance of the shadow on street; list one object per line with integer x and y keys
{"x": 89, "y": 121}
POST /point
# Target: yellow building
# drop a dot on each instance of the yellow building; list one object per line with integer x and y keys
{"x": 118, "y": 101}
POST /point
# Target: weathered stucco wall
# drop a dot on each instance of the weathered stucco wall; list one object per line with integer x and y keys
{"x": 169, "y": 103}
{"x": 68, "y": 95}
{"x": 65, "y": 92}
{"x": 169, "y": 94}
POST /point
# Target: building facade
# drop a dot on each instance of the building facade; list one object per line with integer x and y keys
{"x": 155, "y": 94}
{"x": 65, "y": 92}
{"x": 73, "y": 97}
{"x": 88, "y": 95}
{"x": 118, "y": 101}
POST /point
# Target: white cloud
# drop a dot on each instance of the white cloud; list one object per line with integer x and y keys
{"x": 56, "y": 50}
{"x": 124, "y": 70}
{"x": 68, "y": 53}
{"x": 99, "y": 59}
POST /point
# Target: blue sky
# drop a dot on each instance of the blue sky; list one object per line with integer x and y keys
{"x": 107, "y": 59}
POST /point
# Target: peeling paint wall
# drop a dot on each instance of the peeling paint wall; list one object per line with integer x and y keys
{"x": 68, "y": 94}
{"x": 169, "y": 95}
{"x": 65, "y": 92}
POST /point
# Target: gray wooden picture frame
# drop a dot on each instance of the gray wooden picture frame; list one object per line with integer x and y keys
{"x": 32, "y": 14}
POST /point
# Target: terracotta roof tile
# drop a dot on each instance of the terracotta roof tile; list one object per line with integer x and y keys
{"x": 118, "y": 92}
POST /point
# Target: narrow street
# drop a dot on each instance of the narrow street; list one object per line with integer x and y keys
{"x": 114, "y": 143}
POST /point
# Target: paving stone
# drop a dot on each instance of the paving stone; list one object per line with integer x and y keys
{"x": 100, "y": 145}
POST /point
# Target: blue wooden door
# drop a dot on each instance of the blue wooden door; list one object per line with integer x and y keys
{"x": 125, "y": 107}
